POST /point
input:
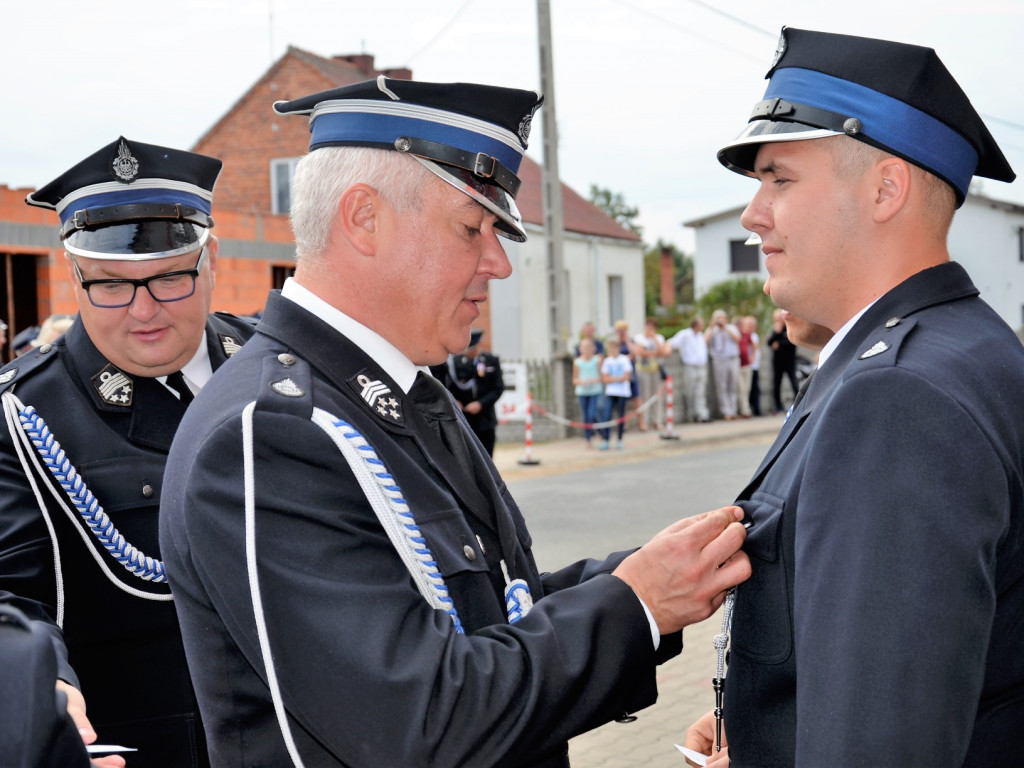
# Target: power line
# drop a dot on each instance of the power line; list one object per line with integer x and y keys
{"x": 440, "y": 32}
{"x": 736, "y": 19}
{"x": 688, "y": 31}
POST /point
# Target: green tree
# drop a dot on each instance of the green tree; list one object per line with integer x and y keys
{"x": 682, "y": 280}
{"x": 614, "y": 204}
{"x": 739, "y": 296}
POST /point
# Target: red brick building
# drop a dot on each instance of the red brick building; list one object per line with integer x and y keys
{"x": 259, "y": 149}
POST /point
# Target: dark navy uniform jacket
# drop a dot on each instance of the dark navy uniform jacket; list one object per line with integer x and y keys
{"x": 884, "y": 621}
{"x": 369, "y": 674}
{"x": 36, "y": 730}
{"x": 120, "y": 642}
{"x": 485, "y": 371}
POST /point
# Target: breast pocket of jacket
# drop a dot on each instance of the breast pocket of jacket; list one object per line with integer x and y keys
{"x": 455, "y": 547}
{"x": 762, "y": 629}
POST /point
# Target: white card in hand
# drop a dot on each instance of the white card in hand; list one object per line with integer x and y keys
{"x": 693, "y": 755}
{"x": 107, "y": 749}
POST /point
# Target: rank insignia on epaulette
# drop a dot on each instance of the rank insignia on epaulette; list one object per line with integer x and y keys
{"x": 378, "y": 396}
{"x": 229, "y": 344}
{"x": 113, "y": 386}
{"x": 7, "y": 376}
{"x": 288, "y": 388}
{"x": 877, "y": 349}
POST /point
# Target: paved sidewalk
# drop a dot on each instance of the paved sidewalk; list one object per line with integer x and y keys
{"x": 684, "y": 683}
{"x": 572, "y": 454}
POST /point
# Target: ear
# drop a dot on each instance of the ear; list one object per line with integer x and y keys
{"x": 212, "y": 249}
{"x": 892, "y": 180}
{"x": 357, "y": 218}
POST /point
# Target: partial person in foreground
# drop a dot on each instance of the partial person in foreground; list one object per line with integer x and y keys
{"x": 89, "y": 421}
{"x": 885, "y": 616}
{"x": 355, "y": 583}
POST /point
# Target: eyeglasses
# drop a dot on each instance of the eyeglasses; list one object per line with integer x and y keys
{"x": 120, "y": 292}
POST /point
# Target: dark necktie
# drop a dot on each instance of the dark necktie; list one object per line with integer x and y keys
{"x": 177, "y": 382}
{"x": 431, "y": 399}
{"x": 804, "y": 386}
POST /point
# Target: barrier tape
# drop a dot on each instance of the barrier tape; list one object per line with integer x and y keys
{"x": 532, "y": 406}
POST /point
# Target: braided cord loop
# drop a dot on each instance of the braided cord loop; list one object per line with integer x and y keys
{"x": 53, "y": 456}
{"x": 385, "y": 496}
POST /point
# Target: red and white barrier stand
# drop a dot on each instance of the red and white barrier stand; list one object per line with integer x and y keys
{"x": 528, "y": 458}
{"x": 668, "y": 434}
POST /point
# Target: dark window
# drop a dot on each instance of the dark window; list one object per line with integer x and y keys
{"x": 280, "y": 274}
{"x": 743, "y": 257}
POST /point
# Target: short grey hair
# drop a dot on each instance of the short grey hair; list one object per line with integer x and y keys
{"x": 322, "y": 176}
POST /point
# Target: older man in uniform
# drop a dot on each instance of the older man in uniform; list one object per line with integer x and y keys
{"x": 89, "y": 420}
{"x": 355, "y": 583}
{"x": 885, "y": 618}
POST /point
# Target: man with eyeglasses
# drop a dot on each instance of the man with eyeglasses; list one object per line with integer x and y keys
{"x": 89, "y": 419}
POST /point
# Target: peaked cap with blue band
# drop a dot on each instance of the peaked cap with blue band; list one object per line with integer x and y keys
{"x": 133, "y": 202}
{"x": 894, "y": 96}
{"x": 471, "y": 136}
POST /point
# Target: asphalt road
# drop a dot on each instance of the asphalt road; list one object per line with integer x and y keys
{"x": 601, "y": 509}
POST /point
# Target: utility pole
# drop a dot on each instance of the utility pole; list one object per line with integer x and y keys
{"x": 553, "y": 226}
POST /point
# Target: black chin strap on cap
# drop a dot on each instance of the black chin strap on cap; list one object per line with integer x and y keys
{"x": 788, "y": 111}
{"x": 483, "y": 166}
{"x": 102, "y": 217}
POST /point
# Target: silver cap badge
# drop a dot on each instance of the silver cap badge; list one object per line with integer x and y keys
{"x": 126, "y": 166}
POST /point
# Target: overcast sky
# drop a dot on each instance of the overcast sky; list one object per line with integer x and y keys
{"x": 645, "y": 90}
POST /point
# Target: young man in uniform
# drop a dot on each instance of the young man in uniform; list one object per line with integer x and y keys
{"x": 883, "y": 622}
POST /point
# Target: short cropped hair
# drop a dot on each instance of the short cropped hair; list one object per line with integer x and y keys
{"x": 850, "y": 158}
{"x": 322, "y": 176}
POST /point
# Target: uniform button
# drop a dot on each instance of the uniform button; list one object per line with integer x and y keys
{"x": 147, "y": 491}
{"x": 892, "y": 322}
{"x": 470, "y": 552}
{"x": 286, "y": 359}
{"x": 45, "y": 348}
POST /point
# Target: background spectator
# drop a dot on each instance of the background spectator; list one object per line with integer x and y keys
{"x": 693, "y": 352}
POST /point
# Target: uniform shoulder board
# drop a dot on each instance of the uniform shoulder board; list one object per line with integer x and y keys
{"x": 286, "y": 386}
{"x": 882, "y": 348}
{"x": 26, "y": 365}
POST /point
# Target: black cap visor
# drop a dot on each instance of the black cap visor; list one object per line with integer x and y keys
{"x": 137, "y": 240}
{"x": 490, "y": 196}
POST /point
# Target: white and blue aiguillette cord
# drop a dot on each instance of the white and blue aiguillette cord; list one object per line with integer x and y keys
{"x": 36, "y": 433}
{"x": 385, "y": 496}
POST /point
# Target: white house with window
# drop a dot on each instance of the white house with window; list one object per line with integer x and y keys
{"x": 987, "y": 238}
